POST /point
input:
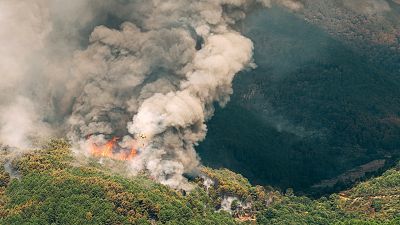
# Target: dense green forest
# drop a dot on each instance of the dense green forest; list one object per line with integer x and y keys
{"x": 52, "y": 187}
{"x": 315, "y": 107}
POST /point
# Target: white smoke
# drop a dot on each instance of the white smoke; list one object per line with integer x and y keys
{"x": 149, "y": 72}
{"x": 293, "y": 5}
{"x": 226, "y": 203}
{"x": 19, "y": 121}
{"x": 207, "y": 182}
{"x": 23, "y": 32}
{"x": 367, "y": 7}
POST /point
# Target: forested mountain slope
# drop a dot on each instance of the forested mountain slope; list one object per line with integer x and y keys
{"x": 316, "y": 106}
{"x": 55, "y": 188}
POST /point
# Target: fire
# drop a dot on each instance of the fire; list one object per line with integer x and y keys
{"x": 112, "y": 150}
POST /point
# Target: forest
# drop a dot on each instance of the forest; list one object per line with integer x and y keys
{"x": 54, "y": 188}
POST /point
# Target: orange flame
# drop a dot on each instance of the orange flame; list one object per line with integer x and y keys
{"x": 108, "y": 151}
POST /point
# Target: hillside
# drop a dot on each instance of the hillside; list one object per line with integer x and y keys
{"x": 54, "y": 188}
{"x": 199, "y": 112}
{"x": 317, "y": 105}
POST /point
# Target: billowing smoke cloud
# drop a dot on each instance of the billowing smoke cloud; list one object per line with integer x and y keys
{"x": 23, "y": 32}
{"x": 146, "y": 71}
{"x": 20, "y": 122}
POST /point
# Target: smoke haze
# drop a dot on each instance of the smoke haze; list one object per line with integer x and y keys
{"x": 147, "y": 71}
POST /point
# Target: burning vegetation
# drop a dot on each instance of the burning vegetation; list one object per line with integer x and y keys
{"x": 111, "y": 149}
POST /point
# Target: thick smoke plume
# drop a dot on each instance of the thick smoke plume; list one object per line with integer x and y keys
{"x": 148, "y": 71}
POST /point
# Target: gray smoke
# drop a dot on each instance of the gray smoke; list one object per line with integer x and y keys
{"x": 367, "y": 7}
{"x": 147, "y": 71}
